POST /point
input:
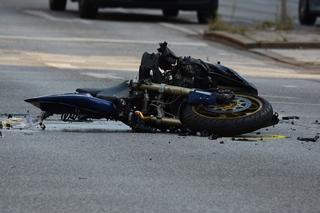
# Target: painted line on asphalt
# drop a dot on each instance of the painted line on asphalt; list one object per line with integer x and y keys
{"x": 103, "y": 75}
{"x": 61, "y": 65}
{"x": 295, "y": 103}
{"x": 49, "y": 17}
{"x": 289, "y": 86}
{"x": 282, "y": 97}
{"x": 98, "y": 40}
{"x": 179, "y": 28}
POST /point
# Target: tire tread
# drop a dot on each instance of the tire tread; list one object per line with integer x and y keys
{"x": 195, "y": 122}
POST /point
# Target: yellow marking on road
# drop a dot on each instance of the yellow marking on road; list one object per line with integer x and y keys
{"x": 64, "y": 61}
{"x": 273, "y": 72}
{"x": 125, "y": 63}
{"x": 259, "y": 137}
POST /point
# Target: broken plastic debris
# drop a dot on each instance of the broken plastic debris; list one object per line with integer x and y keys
{"x": 10, "y": 122}
{"x": 18, "y": 123}
{"x": 316, "y": 122}
{"x": 314, "y": 139}
{"x": 290, "y": 118}
{"x": 213, "y": 137}
{"x": 242, "y": 139}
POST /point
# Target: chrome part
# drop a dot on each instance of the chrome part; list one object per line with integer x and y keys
{"x": 166, "y": 89}
{"x": 239, "y": 104}
{"x": 159, "y": 121}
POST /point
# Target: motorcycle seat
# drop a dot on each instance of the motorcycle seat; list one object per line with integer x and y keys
{"x": 118, "y": 91}
{"x": 90, "y": 91}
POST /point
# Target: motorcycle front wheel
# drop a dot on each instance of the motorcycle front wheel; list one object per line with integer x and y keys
{"x": 246, "y": 113}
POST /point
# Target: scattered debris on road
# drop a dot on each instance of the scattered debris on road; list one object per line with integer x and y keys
{"x": 243, "y": 139}
{"x": 82, "y": 178}
{"x": 316, "y": 122}
{"x": 13, "y": 122}
{"x": 213, "y": 137}
{"x": 28, "y": 133}
{"x": 17, "y": 121}
{"x": 314, "y": 139}
{"x": 290, "y": 118}
{"x": 10, "y": 122}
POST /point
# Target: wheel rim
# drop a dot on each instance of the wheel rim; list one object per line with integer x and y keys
{"x": 242, "y": 106}
{"x": 302, "y": 8}
{"x": 80, "y": 5}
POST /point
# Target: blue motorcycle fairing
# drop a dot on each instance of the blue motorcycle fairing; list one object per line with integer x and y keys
{"x": 230, "y": 78}
{"x": 201, "y": 97}
{"x": 74, "y": 102}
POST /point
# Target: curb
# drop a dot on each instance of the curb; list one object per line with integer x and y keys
{"x": 243, "y": 42}
{"x": 247, "y": 43}
{"x": 279, "y": 57}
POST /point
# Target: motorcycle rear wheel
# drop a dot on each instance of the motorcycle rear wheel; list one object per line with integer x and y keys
{"x": 245, "y": 114}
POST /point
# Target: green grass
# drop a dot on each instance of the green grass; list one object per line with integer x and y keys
{"x": 218, "y": 24}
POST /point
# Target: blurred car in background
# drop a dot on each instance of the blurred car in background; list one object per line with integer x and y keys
{"x": 206, "y": 9}
{"x": 309, "y": 10}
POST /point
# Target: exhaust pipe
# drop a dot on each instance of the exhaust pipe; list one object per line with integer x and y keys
{"x": 164, "y": 88}
{"x": 165, "y": 121}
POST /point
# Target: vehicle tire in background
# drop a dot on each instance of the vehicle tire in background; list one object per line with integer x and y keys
{"x": 205, "y": 15}
{"x": 88, "y": 9}
{"x": 305, "y": 17}
{"x": 245, "y": 114}
{"x": 170, "y": 12}
{"x": 57, "y": 5}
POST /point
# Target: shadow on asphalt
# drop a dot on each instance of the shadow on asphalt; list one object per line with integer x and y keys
{"x": 133, "y": 17}
{"x": 127, "y": 17}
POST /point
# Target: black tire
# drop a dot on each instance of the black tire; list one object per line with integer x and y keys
{"x": 57, "y": 5}
{"x": 256, "y": 116}
{"x": 170, "y": 12}
{"x": 305, "y": 17}
{"x": 205, "y": 15}
{"x": 88, "y": 9}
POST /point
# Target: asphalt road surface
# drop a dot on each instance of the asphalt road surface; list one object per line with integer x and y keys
{"x": 103, "y": 167}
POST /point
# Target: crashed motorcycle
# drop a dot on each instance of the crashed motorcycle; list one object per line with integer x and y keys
{"x": 171, "y": 94}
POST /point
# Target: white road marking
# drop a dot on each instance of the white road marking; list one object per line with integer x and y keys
{"x": 61, "y": 65}
{"x": 98, "y": 40}
{"x": 295, "y": 103}
{"x": 179, "y": 28}
{"x": 49, "y": 17}
{"x": 282, "y": 97}
{"x": 103, "y": 75}
{"x": 289, "y": 86}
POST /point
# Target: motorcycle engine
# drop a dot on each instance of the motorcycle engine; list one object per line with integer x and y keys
{"x": 191, "y": 73}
